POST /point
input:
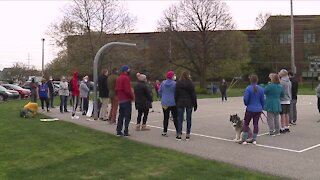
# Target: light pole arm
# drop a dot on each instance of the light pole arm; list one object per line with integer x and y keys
{"x": 95, "y": 70}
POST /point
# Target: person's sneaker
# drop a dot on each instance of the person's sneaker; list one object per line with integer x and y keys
{"x": 282, "y": 131}
{"x": 287, "y": 130}
{"x": 187, "y": 137}
{"x": 126, "y": 135}
{"x": 254, "y": 142}
{"x": 178, "y": 138}
{"x": 48, "y": 110}
{"x": 272, "y": 134}
{"x": 242, "y": 142}
{"x": 164, "y": 134}
{"x": 119, "y": 134}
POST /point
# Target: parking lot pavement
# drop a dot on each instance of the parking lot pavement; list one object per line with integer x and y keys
{"x": 295, "y": 155}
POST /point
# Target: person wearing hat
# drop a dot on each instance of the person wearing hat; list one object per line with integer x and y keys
{"x": 75, "y": 93}
{"x": 143, "y": 99}
{"x": 125, "y": 96}
{"x": 43, "y": 94}
{"x": 167, "y": 95}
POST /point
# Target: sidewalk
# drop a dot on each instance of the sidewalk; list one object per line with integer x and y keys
{"x": 295, "y": 155}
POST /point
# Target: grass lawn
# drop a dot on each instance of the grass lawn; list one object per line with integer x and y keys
{"x": 30, "y": 149}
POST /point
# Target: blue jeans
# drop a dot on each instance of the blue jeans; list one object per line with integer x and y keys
{"x": 63, "y": 103}
{"x": 125, "y": 110}
{"x": 180, "y": 119}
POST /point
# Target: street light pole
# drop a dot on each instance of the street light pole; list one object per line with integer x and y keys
{"x": 42, "y": 57}
{"x": 293, "y": 66}
{"x": 95, "y": 70}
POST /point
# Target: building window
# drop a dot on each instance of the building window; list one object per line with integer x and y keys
{"x": 309, "y": 37}
{"x": 285, "y": 38}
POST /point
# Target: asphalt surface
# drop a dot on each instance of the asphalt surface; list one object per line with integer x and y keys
{"x": 295, "y": 155}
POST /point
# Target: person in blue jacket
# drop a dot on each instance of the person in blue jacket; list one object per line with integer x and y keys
{"x": 167, "y": 95}
{"x": 43, "y": 94}
{"x": 254, "y": 102}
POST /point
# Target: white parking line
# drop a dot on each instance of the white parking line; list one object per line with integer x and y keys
{"x": 260, "y": 145}
{"x": 312, "y": 147}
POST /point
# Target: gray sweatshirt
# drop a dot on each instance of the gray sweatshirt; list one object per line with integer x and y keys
{"x": 63, "y": 89}
{"x": 286, "y": 85}
{"x": 84, "y": 90}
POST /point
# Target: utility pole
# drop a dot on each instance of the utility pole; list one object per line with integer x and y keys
{"x": 42, "y": 57}
{"x": 28, "y": 61}
{"x": 293, "y": 66}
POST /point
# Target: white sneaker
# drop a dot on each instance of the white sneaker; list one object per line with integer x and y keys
{"x": 74, "y": 117}
{"x": 254, "y": 142}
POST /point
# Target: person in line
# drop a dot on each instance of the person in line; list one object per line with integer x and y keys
{"x": 33, "y": 90}
{"x": 285, "y": 100}
{"x": 294, "y": 99}
{"x": 112, "y": 79}
{"x": 64, "y": 94}
{"x": 157, "y": 87}
{"x": 273, "y": 92}
{"x": 167, "y": 95}
{"x": 143, "y": 101}
{"x": 75, "y": 93}
{"x": 125, "y": 96}
{"x": 150, "y": 88}
{"x": 254, "y": 101}
{"x": 186, "y": 100}
{"x": 43, "y": 94}
{"x": 223, "y": 90}
{"x": 51, "y": 91}
{"x": 103, "y": 94}
{"x": 84, "y": 95}
{"x": 318, "y": 97}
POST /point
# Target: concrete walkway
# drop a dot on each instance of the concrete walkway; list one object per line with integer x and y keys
{"x": 295, "y": 155}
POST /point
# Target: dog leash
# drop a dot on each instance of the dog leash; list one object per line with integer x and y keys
{"x": 264, "y": 116}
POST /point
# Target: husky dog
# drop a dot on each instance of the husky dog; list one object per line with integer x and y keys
{"x": 237, "y": 125}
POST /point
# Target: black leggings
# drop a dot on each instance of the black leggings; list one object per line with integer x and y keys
{"x": 145, "y": 116}
{"x": 84, "y": 104}
{"x": 42, "y": 99}
{"x": 319, "y": 104}
{"x": 166, "y": 115}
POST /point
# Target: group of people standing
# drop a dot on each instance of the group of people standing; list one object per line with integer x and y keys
{"x": 279, "y": 97}
{"x": 43, "y": 90}
{"x": 177, "y": 98}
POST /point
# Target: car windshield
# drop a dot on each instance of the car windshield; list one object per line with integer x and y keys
{"x": 14, "y": 86}
{"x": 2, "y": 88}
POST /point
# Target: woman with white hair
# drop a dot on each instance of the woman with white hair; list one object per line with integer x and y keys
{"x": 143, "y": 101}
{"x": 285, "y": 100}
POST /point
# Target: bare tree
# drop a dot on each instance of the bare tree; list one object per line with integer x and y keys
{"x": 92, "y": 18}
{"x": 261, "y": 19}
{"x": 196, "y": 50}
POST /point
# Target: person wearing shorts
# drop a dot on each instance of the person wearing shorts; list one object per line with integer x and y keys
{"x": 285, "y": 100}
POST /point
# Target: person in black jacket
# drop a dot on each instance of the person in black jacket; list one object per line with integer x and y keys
{"x": 51, "y": 91}
{"x": 143, "y": 100}
{"x": 186, "y": 100}
{"x": 294, "y": 98}
{"x": 103, "y": 94}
